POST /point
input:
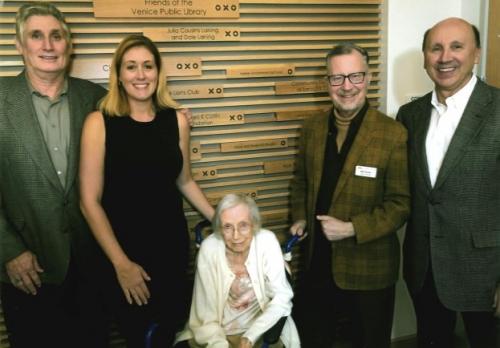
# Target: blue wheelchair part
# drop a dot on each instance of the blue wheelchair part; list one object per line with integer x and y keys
{"x": 291, "y": 243}
{"x": 149, "y": 335}
{"x": 198, "y": 229}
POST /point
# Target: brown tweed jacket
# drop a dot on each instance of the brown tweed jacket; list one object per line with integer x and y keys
{"x": 376, "y": 206}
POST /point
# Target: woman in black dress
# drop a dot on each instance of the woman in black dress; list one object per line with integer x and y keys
{"x": 134, "y": 170}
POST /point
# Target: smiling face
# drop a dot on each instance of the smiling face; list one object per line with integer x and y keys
{"x": 450, "y": 54}
{"x": 138, "y": 74}
{"x": 237, "y": 229}
{"x": 348, "y": 98}
{"x": 44, "y": 47}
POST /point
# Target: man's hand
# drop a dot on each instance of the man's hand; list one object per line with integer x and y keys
{"x": 496, "y": 302}
{"x": 335, "y": 229}
{"x": 188, "y": 115}
{"x": 298, "y": 228}
{"x": 23, "y": 272}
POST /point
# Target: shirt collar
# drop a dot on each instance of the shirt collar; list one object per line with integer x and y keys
{"x": 32, "y": 90}
{"x": 458, "y": 100}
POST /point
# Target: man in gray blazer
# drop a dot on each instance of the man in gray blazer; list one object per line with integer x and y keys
{"x": 46, "y": 249}
{"x": 452, "y": 242}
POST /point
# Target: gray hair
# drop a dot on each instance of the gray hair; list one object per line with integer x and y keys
{"x": 232, "y": 200}
{"x": 40, "y": 9}
{"x": 348, "y": 48}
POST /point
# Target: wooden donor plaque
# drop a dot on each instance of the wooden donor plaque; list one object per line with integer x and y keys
{"x": 268, "y": 70}
{"x": 273, "y": 167}
{"x": 167, "y": 8}
{"x": 176, "y": 34}
{"x": 215, "y": 197}
{"x": 205, "y": 173}
{"x": 253, "y": 145}
{"x": 195, "y": 92}
{"x": 218, "y": 119}
{"x": 182, "y": 66}
{"x": 195, "y": 150}
{"x": 294, "y": 87}
{"x": 299, "y": 115}
{"x": 93, "y": 68}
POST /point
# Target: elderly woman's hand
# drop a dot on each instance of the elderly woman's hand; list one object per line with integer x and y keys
{"x": 245, "y": 343}
{"x": 132, "y": 279}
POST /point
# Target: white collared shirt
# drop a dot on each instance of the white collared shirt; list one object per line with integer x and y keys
{"x": 442, "y": 126}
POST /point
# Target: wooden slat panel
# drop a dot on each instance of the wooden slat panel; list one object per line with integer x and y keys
{"x": 258, "y": 48}
{"x": 310, "y": 2}
{"x": 295, "y": 33}
{"x": 76, "y": 29}
{"x": 257, "y": 39}
{"x": 249, "y": 19}
{"x": 313, "y": 10}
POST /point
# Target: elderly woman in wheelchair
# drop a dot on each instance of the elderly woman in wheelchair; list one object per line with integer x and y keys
{"x": 240, "y": 290}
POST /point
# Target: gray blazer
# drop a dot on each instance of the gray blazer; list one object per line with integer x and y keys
{"x": 455, "y": 226}
{"x": 36, "y": 212}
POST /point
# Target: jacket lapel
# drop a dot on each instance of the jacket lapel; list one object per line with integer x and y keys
{"x": 318, "y": 151}
{"x": 361, "y": 141}
{"x": 420, "y": 134}
{"x": 77, "y": 104}
{"x": 22, "y": 116}
{"x": 472, "y": 121}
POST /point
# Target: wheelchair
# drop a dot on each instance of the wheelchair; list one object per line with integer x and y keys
{"x": 272, "y": 335}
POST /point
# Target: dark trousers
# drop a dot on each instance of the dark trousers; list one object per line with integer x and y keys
{"x": 65, "y": 315}
{"x": 135, "y": 321}
{"x": 167, "y": 310}
{"x": 436, "y": 323}
{"x": 325, "y": 313}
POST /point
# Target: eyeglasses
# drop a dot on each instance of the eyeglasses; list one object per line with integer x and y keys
{"x": 242, "y": 227}
{"x": 355, "y": 78}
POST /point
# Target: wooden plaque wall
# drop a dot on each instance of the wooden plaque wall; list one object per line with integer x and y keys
{"x": 249, "y": 75}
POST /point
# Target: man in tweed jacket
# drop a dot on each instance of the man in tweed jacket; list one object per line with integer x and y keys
{"x": 351, "y": 194}
{"x": 46, "y": 249}
{"x": 452, "y": 242}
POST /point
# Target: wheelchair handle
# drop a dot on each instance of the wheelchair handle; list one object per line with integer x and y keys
{"x": 198, "y": 229}
{"x": 291, "y": 243}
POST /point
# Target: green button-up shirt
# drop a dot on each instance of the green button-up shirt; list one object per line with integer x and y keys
{"x": 54, "y": 119}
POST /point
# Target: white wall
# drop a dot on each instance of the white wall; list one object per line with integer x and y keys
{"x": 407, "y": 21}
{"x": 404, "y": 77}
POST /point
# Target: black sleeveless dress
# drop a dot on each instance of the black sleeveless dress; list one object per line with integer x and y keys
{"x": 144, "y": 207}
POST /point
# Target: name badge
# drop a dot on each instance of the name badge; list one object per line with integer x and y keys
{"x": 367, "y": 172}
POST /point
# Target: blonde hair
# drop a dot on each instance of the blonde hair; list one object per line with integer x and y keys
{"x": 115, "y": 103}
{"x": 41, "y": 8}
